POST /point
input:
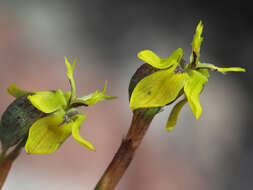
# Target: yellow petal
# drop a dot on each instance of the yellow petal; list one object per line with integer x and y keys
{"x": 220, "y": 69}
{"x": 192, "y": 89}
{"x": 17, "y": 92}
{"x": 69, "y": 72}
{"x": 67, "y": 96}
{"x": 149, "y": 57}
{"x": 157, "y": 89}
{"x": 79, "y": 118}
{"x": 46, "y": 136}
{"x": 204, "y": 72}
{"x": 94, "y": 97}
{"x": 161, "y": 63}
{"x": 48, "y": 101}
{"x": 197, "y": 39}
{"x": 172, "y": 121}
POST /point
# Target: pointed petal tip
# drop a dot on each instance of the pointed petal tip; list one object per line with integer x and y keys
{"x": 241, "y": 69}
{"x": 105, "y": 86}
{"x": 197, "y": 117}
{"x": 197, "y": 113}
{"x": 16, "y": 92}
{"x": 149, "y": 57}
{"x": 92, "y": 148}
{"x": 169, "y": 128}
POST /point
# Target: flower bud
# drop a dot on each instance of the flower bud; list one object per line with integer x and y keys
{"x": 16, "y": 121}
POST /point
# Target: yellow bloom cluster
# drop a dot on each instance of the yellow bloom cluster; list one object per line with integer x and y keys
{"x": 167, "y": 84}
{"x": 62, "y": 119}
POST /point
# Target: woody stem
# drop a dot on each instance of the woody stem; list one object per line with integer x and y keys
{"x": 6, "y": 162}
{"x": 140, "y": 123}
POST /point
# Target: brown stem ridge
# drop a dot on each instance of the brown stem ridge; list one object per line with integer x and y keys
{"x": 122, "y": 159}
{"x": 6, "y": 162}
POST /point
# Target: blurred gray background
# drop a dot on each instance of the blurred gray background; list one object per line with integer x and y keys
{"x": 215, "y": 152}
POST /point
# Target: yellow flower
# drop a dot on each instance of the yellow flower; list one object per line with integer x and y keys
{"x": 173, "y": 79}
{"x": 61, "y": 115}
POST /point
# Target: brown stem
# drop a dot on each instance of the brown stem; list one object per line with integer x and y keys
{"x": 6, "y": 162}
{"x": 140, "y": 123}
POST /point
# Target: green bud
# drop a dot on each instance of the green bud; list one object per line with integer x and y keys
{"x": 16, "y": 121}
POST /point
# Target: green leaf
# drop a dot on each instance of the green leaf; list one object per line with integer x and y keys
{"x": 157, "y": 89}
{"x": 94, "y": 97}
{"x": 172, "y": 121}
{"x": 46, "y": 135}
{"x": 192, "y": 89}
{"x": 17, "y": 92}
{"x": 78, "y": 119}
{"x": 48, "y": 101}
{"x": 69, "y": 72}
{"x": 161, "y": 63}
{"x": 219, "y": 69}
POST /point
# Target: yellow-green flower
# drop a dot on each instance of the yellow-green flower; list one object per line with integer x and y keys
{"x": 173, "y": 79}
{"x": 62, "y": 118}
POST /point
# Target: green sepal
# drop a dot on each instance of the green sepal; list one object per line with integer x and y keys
{"x": 161, "y": 63}
{"x": 78, "y": 119}
{"x": 219, "y": 69}
{"x": 48, "y": 101}
{"x": 17, "y": 92}
{"x": 46, "y": 135}
{"x": 157, "y": 89}
{"x": 192, "y": 89}
{"x": 172, "y": 121}
{"x": 16, "y": 121}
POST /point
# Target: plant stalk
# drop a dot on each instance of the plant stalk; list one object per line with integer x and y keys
{"x": 6, "y": 162}
{"x": 140, "y": 123}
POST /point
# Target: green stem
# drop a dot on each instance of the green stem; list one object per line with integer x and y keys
{"x": 122, "y": 159}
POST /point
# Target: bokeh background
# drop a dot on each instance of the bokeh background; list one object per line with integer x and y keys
{"x": 215, "y": 152}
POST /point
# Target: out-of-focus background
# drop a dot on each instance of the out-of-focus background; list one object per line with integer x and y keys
{"x": 215, "y": 152}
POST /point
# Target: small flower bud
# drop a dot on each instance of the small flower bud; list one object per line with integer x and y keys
{"x": 16, "y": 121}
